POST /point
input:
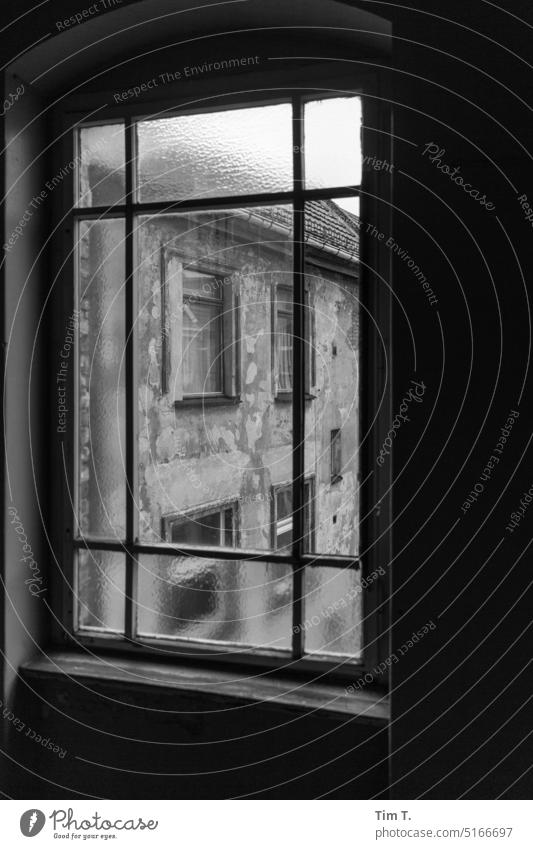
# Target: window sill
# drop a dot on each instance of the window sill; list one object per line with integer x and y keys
{"x": 208, "y": 401}
{"x": 369, "y": 707}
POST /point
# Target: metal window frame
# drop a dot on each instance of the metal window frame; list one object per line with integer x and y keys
{"x": 297, "y": 559}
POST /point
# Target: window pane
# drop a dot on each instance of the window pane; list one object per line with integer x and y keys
{"x": 333, "y": 612}
{"x": 202, "y": 352}
{"x": 101, "y": 590}
{"x": 233, "y": 448}
{"x": 102, "y": 489}
{"x": 332, "y": 142}
{"x": 191, "y": 598}
{"x": 233, "y": 152}
{"x": 333, "y": 287}
{"x": 101, "y": 174}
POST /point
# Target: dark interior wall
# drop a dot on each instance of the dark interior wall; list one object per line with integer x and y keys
{"x": 459, "y": 710}
{"x": 25, "y": 580}
{"x": 127, "y": 743}
{"x": 460, "y": 714}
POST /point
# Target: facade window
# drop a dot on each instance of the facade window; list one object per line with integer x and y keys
{"x": 216, "y": 273}
{"x": 336, "y": 456}
{"x": 282, "y": 517}
{"x": 206, "y": 527}
{"x": 283, "y": 340}
{"x": 283, "y": 343}
{"x": 199, "y": 329}
{"x": 202, "y": 334}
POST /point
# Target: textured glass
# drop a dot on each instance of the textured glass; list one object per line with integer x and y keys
{"x": 333, "y": 401}
{"x": 332, "y": 142}
{"x": 234, "y": 152}
{"x": 248, "y": 604}
{"x": 101, "y": 378}
{"x": 333, "y": 612}
{"x": 212, "y": 432}
{"x": 101, "y": 170}
{"x": 101, "y": 590}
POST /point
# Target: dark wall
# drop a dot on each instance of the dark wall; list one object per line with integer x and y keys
{"x": 128, "y": 742}
{"x": 460, "y": 712}
{"x": 459, "y": 709}
{"x": 24, "y": 265}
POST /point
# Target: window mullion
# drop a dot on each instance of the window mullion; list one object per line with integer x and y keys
{"x": 131, "y": 393}
{"x": 298, "y": 382}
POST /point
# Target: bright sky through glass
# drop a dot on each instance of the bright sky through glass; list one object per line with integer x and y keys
{"x": 332, "y": 142}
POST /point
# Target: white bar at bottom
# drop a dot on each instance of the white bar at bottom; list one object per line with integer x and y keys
{"x": 269, "y": 824}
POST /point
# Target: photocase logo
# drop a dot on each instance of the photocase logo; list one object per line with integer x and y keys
{"x": 32, "y": 822}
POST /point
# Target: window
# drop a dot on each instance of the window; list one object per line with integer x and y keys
{"x": 283, "y": 340}
{"x": 282, "y": 524}
{"x": 336, "y": 456}
{"x": 283, "y": 336}
{"x": 217, "y": 272}
{"x": 199, "y": 310}
{"x": 202, "y": 334}
{"x": 206, "y": 527}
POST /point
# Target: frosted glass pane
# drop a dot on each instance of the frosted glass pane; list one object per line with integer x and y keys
{"x": 332, "y": 142}
{"x": 101, "y": 174}
{"x": 333, "y": 612}
{"x": 213, "y": 434}
{"x": 101, "y": 590}
{"x": 101, "y": 378}
{"x": 228, "y": 602}
{"x": 234, "y": 152}
{"x": 332, "y": 411}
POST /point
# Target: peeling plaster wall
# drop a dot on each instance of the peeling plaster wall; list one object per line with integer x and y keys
{"x": 334, "y": 300}
{"x": 212, "y": 455}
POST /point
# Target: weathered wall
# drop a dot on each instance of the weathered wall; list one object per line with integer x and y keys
{"x": 241, "y": 450}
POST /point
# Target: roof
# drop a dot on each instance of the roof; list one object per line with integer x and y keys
{"x": 327, "y": 226}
